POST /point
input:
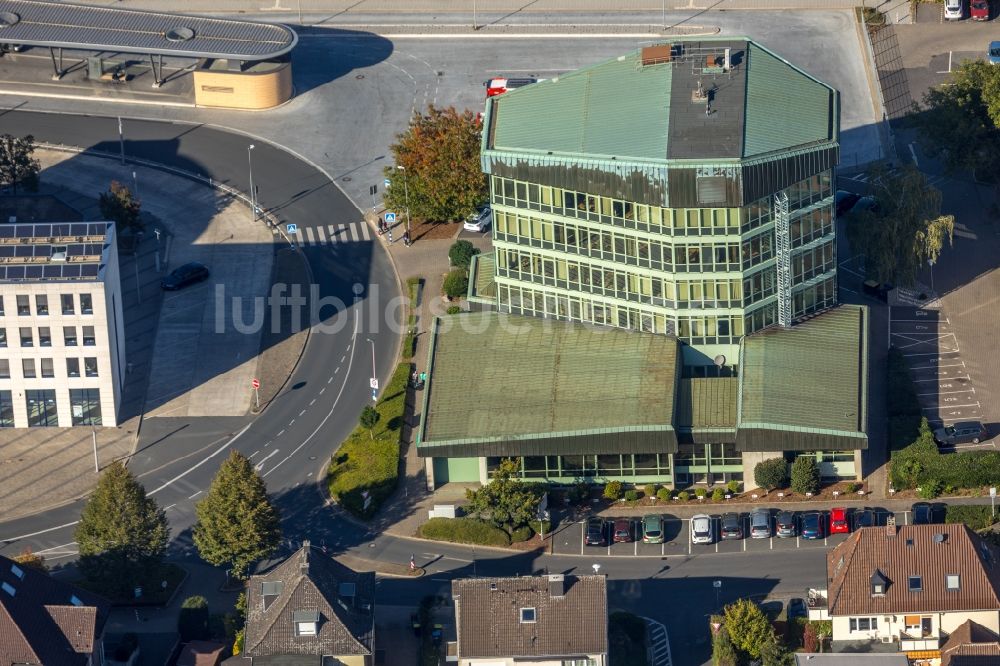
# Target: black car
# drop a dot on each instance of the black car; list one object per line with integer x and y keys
{"x": 184, "y": 275}
{"x": 844, "y": 201}
{"x": 784, "y": 524}
{"x": 864, "y": 518}
{"x": 732, "y": 527}
{"x": 812, "y": 525}
{"x": 923, "y": 514}
{"x": 797, "y": 608}
{"x": 595, "y": 532}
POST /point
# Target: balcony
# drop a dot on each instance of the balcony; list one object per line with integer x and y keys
{"x": 914, "y": 644}
{"x": 816, "y": 601}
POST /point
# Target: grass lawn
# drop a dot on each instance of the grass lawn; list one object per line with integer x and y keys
{"x": 369, "y": 462}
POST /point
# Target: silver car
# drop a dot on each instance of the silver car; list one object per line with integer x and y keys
{"x": 760, "y": 524}
{"x": 480, "y": 219}
{"x": 701, "y": 529}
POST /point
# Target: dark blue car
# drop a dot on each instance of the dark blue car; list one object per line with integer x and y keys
{"x": 812, "y": 525}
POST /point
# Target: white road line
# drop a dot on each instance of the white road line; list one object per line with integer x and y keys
{"x": 343, "y": 357}
{"x": 320, "y": 234}
{"x": 913, "y": 153}
{"x": 71, "y": 543}
{"x": 366, "y": 232}
{"x": 202, "y": 461}
{"x": 170, "y": 507}
{"x": 259, "y": 465}
{"x": 308, "y": 233}
{"x": 968, "y": 390}
{"x": 302, "y": 412}
{"x": 329, "y": 380}
{"x": 254, "y": 453}
{"x": 196, "y": 494}
{"x": 280, "y": 433}
{"x": 333, "y": 233}
{"x": 49, "y": 529}
{"x": 934, "y": 409}
{"x": 332, "y": 407}
{"x": 354, "y": 232}
{"x": 312, "y": 402}
{"x": 321, "y": 390}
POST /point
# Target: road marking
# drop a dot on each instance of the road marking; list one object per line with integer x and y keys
{"x": 71, "y": 543}
{"x": 201, "y": 462}
{"x": 302, "y": 412}
{"x": 308, "y": 232}
{"x": 321, "y": 234}
{"x": 332, "y": 408}
{"x": 913, "y": 153}
{"x": 312, "y": 402}
{"x": 932, "y": 409}
{"x": 171, "y": 506}
{"x": 49, "y": 529}
{"x": 343, "y": 357}
{"x": 321, "y": 390}
{"x": 254, "y": 453}
{"x": 329, "y": 380}
{"x": 949, "y": 392}
{"x": 196, "y": 494}
{"x": 263, "y": 460}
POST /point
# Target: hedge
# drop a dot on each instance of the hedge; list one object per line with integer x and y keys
{"x": 464, "y": 530}
{"x": 522, "y": 533}
{"x": 921, "y": 462}
{"x": 976, "y": 516}
{"x": 362, "y": 464}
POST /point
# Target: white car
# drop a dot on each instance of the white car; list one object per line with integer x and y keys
{"x": 701, "y": 529}
{"x": 480, "y": 219}
{"x": 954, "y": 10}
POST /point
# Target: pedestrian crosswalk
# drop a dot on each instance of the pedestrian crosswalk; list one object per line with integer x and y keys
{"x": 333, "y": 234}
{"x": 862, "y": 177}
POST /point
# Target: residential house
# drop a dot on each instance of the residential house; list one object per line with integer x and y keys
{"x": 555, "y": 620}
{"x": 46, "y": 622}
{"x": 971, "y": 645}
{"x": 310, "y": 610}
{"x": 912, "y": 585}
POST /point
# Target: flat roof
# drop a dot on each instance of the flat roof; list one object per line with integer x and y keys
{"x": 93, "y": 28}
{"x": 54, "y": 251}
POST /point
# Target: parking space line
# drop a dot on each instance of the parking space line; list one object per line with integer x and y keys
{"x": 931, "y": 409}
{"x": 744, "y": 544}
{"x": 635, "y": 546}
{"x": 663, "y": 547}
{"x": 968, "y": 390}
{"x": 583, "y": 535}
{"x": 689, "y": 535}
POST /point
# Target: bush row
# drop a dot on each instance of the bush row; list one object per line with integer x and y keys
{"x": 976, "y": 516}
{"x": 615, "y": 490}
{"x": 466, "y": 530}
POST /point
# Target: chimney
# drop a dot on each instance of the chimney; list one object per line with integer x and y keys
{"x": 890, "y": 525}
{"x": 304, "y": 561}
{"x": 557, "y": 585}
{"x": 727, "y": 63}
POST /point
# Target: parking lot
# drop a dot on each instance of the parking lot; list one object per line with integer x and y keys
{"x": 569, "y": 539}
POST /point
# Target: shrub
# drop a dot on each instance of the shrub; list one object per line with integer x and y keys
{"x": 541, "y": 526}
{"x": 650, "y": 490}
{"x": 631, "y": 495}
{"x": 929, "y": 489}
{"x": 683, "y": 496}
{"x": 453, "y": 309}
{"x": 718, "y": 495}
{"x": 805, "y": 475}
{"x": 921, "y": 462}
{"x": 700, "y": 493}
{"x": 771, "y": 474}
{"x": 192, "y": 623}
{"x": 461, "y": 253}
{"x": 613, "y": 490}
{"x": 852, "y": 487}
{"x": 733, "y": 487}
{"x": 976, "y": 516}
{"x": 663, "y": 494}
{"x": 464, "y": 530}
{"x": 456, "y": 283}
{"x": 369, "y": 465}
{"x": 522, "y": 533}
{"x": 579, "y": 493}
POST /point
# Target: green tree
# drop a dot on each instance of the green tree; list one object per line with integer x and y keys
{"x": 905, "y": 230}
{"x": 773, "y": 653}
{"x": 119, "y": 206}
{"x": 122, "y": 534}
{"x": 456, "y": 283}
{"x": 958, "y": 122}
{"x": 441, "y": 177}
{"x": 505, "y": 500}
{"x": 237, "y": 524}
{"x": 771, "y": 474}
{"x": 369, "y": 418}
{"x": 723, "y": 652}
{"x": 192, "y": 623}
{"x": 613, "y": 490}
{"x": 748, "y": 627}
{"x": 17, "y": 166}
{"x": 461, "y": 253}
{"x": 805, "y": 475}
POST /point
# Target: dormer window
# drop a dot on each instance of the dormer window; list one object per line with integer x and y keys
{"x": 878, "y": 584}
{"x": 914, "y": 584}
{"x": 952, "y": 582}
{"x": 306, "y": 622}
{"x": 17, "y": 571}
{"x": 527, "y": 615}
{"x": 75, "y": 600}
{"x": 269, "y": 591}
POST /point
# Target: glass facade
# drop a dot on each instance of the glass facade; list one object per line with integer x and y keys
{"x": 86, "y": 406}
{"x": 705, "y": 275}
{"x": 41, "y": 408}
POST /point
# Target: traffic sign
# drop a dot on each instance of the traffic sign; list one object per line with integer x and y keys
{"x": 993, "y": 491}
{"x": 386, "y": 182}
{"x": 374, "y": 394}
{"x": 292, "y": 228}
{"x": 390, "y": 218}
{"x": 716, "y": 584}
{"x": 373, "y": 382}
{"x": 255, "y": 383}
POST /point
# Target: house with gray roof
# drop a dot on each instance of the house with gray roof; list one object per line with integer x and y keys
{"x": 530, "y": 620}
{"x": 310, "y": 610}
{"x": 46, "y": 622}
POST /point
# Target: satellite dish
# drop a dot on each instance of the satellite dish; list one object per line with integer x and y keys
{"x": 939, "y": 538}
{"x": 720, "y": 361}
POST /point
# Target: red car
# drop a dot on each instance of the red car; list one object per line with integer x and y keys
{"x": 622, "y": 532}
{"x": 838, "y": 521}
{"x": 980, "y": 10}
{"x": 499, "y": 86}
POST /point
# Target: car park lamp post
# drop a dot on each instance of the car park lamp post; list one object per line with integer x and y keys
{"x": 374, "y": 374}
{"x": 406, "y": 195}
{"x": 930, "y": 262}
{"x": 253, "y": 196}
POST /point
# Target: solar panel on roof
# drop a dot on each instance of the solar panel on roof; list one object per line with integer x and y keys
{"x": 71, "y": 270}
{"x": 88, "y": 270}
{"x": 6, "y": 231}
{"x": 33, "y": 272}
{"x": 15, "y": 272}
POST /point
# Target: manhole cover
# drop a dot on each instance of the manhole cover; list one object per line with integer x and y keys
{"x": 179, "y": 34}
{"x": 359, "y": 77}
{"x": 8, "y": 19}
{"x": 346, "y": 179}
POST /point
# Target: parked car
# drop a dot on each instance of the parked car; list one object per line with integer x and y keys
{"x": 479, "y": 219}
{"x": 812, "y": 525}
{"x": 595, "y": 532}
{"x": 622, "y": 532}
{"x": 183, "y": 276}
{"x": 979, "y": 10}
{"x": 878, "y": 290}
{"x": 652, "y": 529}
{"x": 922, "y": 514}
{"x": 963, "y": 432}
{"x": 701, "y": 529}
{"x": 838, "y": 521}
{"x": 993, "y": 53}
{"x": 864, "y": 518}
{"x": 954, "y": 10}
{"x": 785, "y": 524}
{"x": 760, "y": 524}
{"x": 731, "y": 526}
{"x": 797, "y": 608}
{"x": 499, "y": 86}
{"x": 844, "y": 201}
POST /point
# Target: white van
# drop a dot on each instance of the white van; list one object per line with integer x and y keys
{"x": 954, "y": 10}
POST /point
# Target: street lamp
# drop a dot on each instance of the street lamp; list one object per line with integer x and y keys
{"x": 374, "y": 373}
{"x": 406, "y": 193}
{"x": 253, "y": 196}
{"x": 930, "y": 262}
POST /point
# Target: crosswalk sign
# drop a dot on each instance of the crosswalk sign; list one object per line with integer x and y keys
{"x": 390, "y": 218}
{"x": 292, "y": 228}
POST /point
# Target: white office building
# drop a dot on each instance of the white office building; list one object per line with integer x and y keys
{"x": 62, "y": 336}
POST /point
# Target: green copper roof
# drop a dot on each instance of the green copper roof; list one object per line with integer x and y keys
{"x": 707, "y": 402}
{"x": 810, "y": 379}
{"x": 502, "y": 378}
{"x": 482, "y": 286}
{"x": 785, "y": 107}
